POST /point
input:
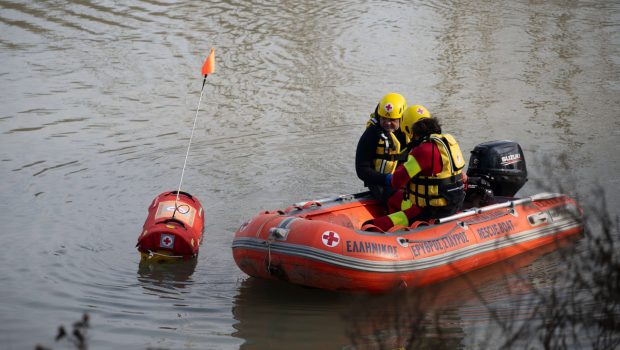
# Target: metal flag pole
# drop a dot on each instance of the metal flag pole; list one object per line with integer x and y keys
{"x": 207, "y": 68}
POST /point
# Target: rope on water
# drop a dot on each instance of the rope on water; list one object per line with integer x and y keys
{"x": 153, "y": 254}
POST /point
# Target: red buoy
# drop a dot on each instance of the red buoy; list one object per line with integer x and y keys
{"x": 173, "y": 228}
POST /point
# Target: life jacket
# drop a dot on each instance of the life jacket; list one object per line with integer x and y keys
{"x": 444, "y": 188}
{"x": 388, "y": 151}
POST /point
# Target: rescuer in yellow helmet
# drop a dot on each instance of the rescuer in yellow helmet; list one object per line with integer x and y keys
{"x": 411, "y": 115}
{"x": 431, "y": 178}
{"x": 379, "y": 147}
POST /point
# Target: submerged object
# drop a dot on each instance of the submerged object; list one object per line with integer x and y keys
{"x": 173, "y": 228}
{"x": 328, "y": 244}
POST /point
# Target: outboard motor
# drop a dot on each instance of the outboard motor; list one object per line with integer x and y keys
{"x": 499, "y": 165}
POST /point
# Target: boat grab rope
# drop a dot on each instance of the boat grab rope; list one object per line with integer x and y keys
{"x": 488, "y": 216}
{"x": 510, "y": 204}
{"x": 268, "y": 255}
{"x": 462, "y": 224}
{"x": 268, "y": 241}
{"x": 451, "y": 231}
{"x": 152, "y": 254}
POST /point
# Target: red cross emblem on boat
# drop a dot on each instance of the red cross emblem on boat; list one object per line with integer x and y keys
{"x": 330, "y": 238}
{"x": 166, "y": 241}
{"x": 388, "y": 107}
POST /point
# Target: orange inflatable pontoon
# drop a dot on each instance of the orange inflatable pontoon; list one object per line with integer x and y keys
{"x": 322, "y": 243}
{"x": 325, "y": 244}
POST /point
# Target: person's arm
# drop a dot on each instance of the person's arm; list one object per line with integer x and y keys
{"x": 364, "y": 159}
{"x": 420, "y": 160}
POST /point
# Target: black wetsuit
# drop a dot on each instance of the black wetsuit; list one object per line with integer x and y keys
{"x": 365, "y": 156}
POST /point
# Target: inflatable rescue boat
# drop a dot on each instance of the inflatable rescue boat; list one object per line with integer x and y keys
{"x": 326, "y": 243}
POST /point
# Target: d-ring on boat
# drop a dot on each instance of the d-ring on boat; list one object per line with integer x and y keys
{"x": 325, "y": 244}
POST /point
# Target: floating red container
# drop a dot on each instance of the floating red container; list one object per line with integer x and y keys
{"x": 173, "y": 228}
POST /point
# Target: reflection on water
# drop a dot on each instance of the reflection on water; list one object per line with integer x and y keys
{"x": 161, "y": 278}
{"x": 438, "y": 316}
{"x": 275, "y": 315}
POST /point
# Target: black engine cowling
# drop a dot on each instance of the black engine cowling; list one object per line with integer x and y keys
{"x": 500, "y": 164}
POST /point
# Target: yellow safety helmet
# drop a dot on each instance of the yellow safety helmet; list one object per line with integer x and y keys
{"x": 411, "y": 116}
{"x": 392, "y": 106}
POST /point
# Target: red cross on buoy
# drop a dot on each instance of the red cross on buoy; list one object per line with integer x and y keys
{"x": 166, "y": 241}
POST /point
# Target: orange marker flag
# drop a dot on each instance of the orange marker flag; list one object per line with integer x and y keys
{"x": 209, "y": 66}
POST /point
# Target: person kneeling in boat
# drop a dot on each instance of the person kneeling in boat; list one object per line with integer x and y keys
{"x": 379, "y": 147}
{"x": 431, "y": 179}
{"x": 411, "y": 116}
